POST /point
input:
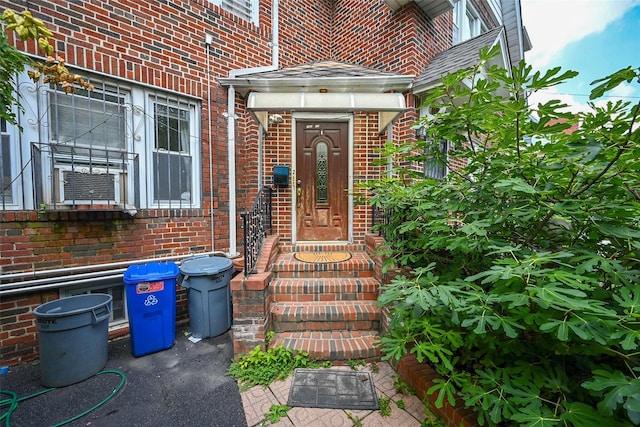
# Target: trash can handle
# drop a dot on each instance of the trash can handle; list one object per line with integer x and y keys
{"x": 183, "y": 279}
{"x": 99, "y": 316}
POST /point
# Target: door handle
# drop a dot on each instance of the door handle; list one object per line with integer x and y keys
{"x": 299, "y": 193}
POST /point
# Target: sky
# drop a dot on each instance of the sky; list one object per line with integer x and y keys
{"x": 593, "y": 37}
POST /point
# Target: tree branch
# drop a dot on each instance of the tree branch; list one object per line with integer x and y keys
{"x": 615, "y": 158}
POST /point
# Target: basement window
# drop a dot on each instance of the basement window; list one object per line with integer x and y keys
{"x": 119, "y": 315}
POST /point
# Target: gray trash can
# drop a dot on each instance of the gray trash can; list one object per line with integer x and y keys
{"x": 73, "y": 337}
{"x": 207, "y": 281}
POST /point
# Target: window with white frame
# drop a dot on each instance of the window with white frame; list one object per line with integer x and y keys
{"x": 6, "y": 165}
{"x": 119, "y": 146}
{"x": 172, "y": 161}
{"x": 91, "y": 119}
{"x": 466, "y": 21}
{"x": 246, "y": 9}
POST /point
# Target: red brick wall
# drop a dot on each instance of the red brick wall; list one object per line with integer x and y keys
{"x": 366, "y": 33}
{"x": 18, "y": 332}
{"x": 371, "y": 34}
{"x": 32, "y": 241}
{"x": 162, "y": 45}
{"x": 306, "y": 30}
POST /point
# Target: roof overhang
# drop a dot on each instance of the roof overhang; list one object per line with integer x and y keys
{"x": 373, "y": 84}
{"x": 388, "y": 105}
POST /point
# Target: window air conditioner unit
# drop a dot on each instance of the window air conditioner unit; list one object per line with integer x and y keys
{"x": 86, "y": 185}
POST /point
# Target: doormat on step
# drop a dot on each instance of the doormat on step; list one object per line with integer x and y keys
{"x": 322, "y": 257}
{"x": 326, "y": 388}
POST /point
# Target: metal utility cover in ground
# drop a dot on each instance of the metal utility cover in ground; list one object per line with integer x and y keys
{"x": 313, "y": 388}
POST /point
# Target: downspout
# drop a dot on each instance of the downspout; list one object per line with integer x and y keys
{"x": 390, "y": 159}
{"x": 208, "y": 40}
{"x": 231, "y": 117}
{"x": 231, "y": 152}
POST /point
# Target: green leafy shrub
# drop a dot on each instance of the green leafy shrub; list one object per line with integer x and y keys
{"x": 384, "y": 403}
{"x": 355, "y": 421}
{"x": 355, "y": 364}
{"x": 401, "y": 386}
{"x": 261, "y": 367}
{"x": 519, "y": 272}
{"x": 275, "y": 413}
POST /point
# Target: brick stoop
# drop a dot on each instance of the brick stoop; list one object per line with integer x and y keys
{"x": 326, "y": 309}
{"x": 335, "y": 346}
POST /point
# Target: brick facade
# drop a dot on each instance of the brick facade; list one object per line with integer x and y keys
{"x": 162, "y": 45}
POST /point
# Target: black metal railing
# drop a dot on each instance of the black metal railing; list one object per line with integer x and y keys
{"x": 257, "y": 225}
{"x": 379, "y": 216}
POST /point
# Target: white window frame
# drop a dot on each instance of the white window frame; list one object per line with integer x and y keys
{"x": 254, "y": 5}
{"x": 139, "y": 144}
{"x": 467, "y": 22}
{"x": 97, "y": 163}
{"x": 15, "y": 184}
{"x": 194, "y": 152}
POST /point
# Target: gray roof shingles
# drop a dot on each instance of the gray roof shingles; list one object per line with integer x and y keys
{"x": 321, "y": 69}
{"x": 458, "y": 57}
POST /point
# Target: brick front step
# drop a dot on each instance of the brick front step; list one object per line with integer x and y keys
{"x": 335, "y": 346}
{"x": 287, "y": 266}
{"x": 325, "y": 289}
{"x": 322, "y": 247}
{"x": 325, "y": 316}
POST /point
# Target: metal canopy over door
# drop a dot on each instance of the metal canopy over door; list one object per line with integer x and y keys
{"x": 322, "y": 169}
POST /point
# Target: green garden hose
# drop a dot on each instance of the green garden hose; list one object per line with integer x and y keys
{"x": 14, "y": 400}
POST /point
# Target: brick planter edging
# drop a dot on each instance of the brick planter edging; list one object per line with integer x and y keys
{"x": 420, "y": 376}
{"x": 250, "y": 297}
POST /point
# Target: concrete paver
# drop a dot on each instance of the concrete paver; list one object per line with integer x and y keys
{"x": 258, "y": 400}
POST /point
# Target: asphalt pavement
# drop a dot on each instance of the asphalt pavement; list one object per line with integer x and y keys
{"x": 182, "y": 386}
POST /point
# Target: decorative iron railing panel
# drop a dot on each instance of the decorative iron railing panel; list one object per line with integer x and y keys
{"x": 257, "y": 225}
{"x": 379, "y": 216}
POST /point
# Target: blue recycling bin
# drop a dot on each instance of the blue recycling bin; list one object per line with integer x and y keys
{"x": 151, "y": 305}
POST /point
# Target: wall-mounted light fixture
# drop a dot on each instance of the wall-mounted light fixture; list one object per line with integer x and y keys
{"x": 275, "y": 118}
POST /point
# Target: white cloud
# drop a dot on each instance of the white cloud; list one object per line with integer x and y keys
{"x": 624, "y": 90}
{"x": 552, "y": 24}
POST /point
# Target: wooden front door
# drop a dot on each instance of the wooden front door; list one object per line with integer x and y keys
{"x": 322, "y": 174}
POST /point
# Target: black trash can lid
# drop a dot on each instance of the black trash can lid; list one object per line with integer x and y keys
{"x": 205, "y": 266}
